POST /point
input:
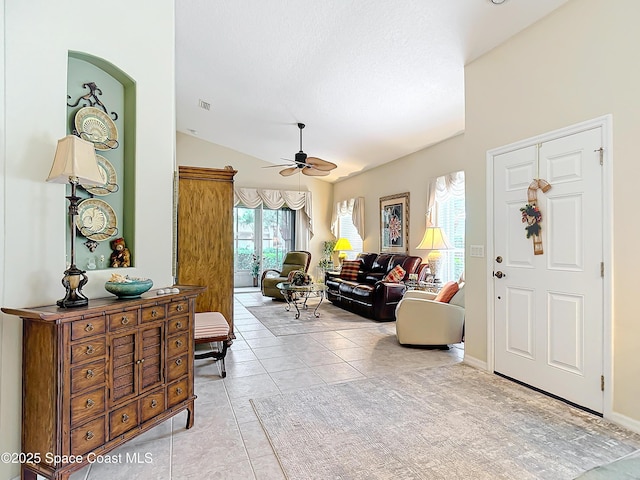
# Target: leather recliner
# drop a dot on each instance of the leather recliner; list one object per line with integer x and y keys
{"x": 369, "y": 295}
{"x": 294, "y": 260}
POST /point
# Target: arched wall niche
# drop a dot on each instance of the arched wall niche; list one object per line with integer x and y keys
{"x": 116, "y": 91}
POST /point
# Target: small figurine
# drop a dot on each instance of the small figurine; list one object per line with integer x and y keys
{"x": 120, "y": 256}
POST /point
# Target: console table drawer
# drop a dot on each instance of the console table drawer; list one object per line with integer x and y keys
{"x": 87, "y": 376}
{"x": 123, "y": 319}
{"x": 179, "y": 324}
{"x": 87, "y": 327}
{"x": 123, "y": 419}
{"x": 149, "y": 314}
{"x": 87, "y": 405}
{"x": 177, "y": 345}
{"x": 91, "y": 350}
{"x": 178, "y": 308}
{"x": 177, "y": 392}
{"x": 87, "y": 437}
{"x": 178, "y": 367}
{"x": 151, "y": 404}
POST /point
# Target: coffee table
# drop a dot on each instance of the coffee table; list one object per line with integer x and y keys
{"x": 297, "y": 295}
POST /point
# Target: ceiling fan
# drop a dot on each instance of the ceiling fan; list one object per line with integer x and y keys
{"x": 312, "y": 166}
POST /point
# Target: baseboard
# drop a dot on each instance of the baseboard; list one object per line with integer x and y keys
{"x": 475, "y": 363}
{"x": 624, "y": 421}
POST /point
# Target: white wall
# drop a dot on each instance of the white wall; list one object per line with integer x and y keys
{"x": 38, "y": 36}
{"x": 408, "y": 174}
{"x": 195, "y": 152}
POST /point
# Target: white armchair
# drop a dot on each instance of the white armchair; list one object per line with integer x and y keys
{"x": 422, "y": 321}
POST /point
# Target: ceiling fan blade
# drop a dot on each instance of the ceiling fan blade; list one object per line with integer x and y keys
{"x": 287, "y": 172}
{"x": 321, "y": 164}
{"x": 314, "y": 172}
{"x": 278, "y": 165}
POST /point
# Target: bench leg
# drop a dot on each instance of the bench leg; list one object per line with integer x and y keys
{"x": 219, "y": 355}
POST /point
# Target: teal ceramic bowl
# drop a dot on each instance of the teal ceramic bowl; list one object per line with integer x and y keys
{"x": 131, "y": 289}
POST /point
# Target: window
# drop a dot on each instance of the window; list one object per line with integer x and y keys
{"x": 450, "y": 215}
{"x": 346, "y": 229}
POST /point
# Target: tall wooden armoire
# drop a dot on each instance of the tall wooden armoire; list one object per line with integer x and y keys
{"x": 205, "y": 236}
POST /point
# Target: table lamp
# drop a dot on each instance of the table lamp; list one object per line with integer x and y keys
{"x": 341, "y": 246}
{"x": 434, "y": 240}
{"x": 74, "y": 163}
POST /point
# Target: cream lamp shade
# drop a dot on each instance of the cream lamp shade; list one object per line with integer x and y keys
{"x": 75, "y": 159}
{"x": 434, "y": 240}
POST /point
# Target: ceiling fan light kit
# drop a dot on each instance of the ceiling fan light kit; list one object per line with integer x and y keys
{"x": 311, "y": 166}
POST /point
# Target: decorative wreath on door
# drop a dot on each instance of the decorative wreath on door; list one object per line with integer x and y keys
{"x": 531, "y": 214}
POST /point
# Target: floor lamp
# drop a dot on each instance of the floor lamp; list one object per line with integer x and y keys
{"x": 74, "y": 163}
{"x": 434, "y": 240}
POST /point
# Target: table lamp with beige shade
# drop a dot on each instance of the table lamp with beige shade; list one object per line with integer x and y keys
{"x": 74, "y": 163}
{"x": 434, "y": 240}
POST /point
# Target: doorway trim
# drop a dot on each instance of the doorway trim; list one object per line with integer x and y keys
{"x": 605, "y": 123}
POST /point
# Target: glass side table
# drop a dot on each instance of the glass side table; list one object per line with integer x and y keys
{"x": 298, "y": 295}
{"x": 431, "y": 287}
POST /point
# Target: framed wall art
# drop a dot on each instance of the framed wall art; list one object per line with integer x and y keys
{"x": 394, "y": 223}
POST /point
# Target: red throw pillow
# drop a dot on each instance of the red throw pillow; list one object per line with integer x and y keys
{"x": 350, "y": 269}
{"x": 395, "y": 275}
{"x": 445, "y": 295}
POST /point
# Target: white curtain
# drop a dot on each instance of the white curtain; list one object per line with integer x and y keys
{"x": 441, "y": 189}
{"x": 353, "y": 207}
{"x": 275, "y": 199}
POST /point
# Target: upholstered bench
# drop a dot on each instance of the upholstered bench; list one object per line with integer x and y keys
{"x": 212, "y": 327}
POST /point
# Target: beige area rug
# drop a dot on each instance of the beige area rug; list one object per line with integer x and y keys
{"x": 280, "y": 322}
{"x": 452, "y": 422}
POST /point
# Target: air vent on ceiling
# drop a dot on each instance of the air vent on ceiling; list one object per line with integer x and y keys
{"x": 204, "y": 105}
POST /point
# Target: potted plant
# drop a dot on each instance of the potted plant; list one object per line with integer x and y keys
{"x": 255, "y": 269}
{"x": 326, "y": 262}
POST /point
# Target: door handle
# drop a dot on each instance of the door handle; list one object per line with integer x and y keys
{"x": 499, "y": 274}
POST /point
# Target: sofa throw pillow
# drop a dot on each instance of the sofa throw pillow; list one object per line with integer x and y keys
{"x": 350, "y": 269}
{"x": 395, "y": 275}
{"x": 445, "y": 295}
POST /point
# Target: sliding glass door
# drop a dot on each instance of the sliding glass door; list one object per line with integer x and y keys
{"x": 262, "y": 237}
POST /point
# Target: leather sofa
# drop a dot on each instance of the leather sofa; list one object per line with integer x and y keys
{"x": 369, "y": 296}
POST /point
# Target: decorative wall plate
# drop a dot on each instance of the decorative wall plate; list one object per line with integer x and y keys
{"x": 96, "y": 220}
{"x": 94, "y": 125}
{"x": 108, "y": 173}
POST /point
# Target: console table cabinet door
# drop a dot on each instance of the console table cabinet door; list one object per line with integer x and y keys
{"x": 124, "y": 371}
{"x": 152, "y": 356}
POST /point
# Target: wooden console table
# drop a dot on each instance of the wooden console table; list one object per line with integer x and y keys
{"x": 95, "y": 377}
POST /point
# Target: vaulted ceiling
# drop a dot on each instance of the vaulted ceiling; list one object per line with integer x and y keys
{"x": 373, "y": 80}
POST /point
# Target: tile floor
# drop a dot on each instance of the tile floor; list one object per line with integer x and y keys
{"x": 227, "y": 441}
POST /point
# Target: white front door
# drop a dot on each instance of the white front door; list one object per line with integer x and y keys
{"x": 549, "y": 308}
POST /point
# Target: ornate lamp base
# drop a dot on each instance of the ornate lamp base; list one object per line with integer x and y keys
{"x": 74, "y": 279}
{"x": 434, "y": 259}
